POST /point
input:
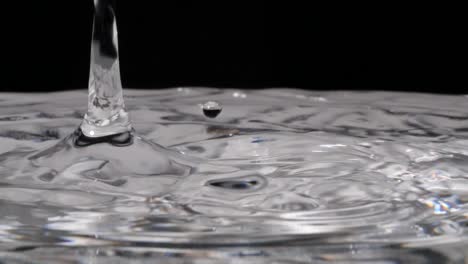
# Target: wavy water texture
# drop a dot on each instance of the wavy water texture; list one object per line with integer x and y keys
{"x": 280, "y": 176}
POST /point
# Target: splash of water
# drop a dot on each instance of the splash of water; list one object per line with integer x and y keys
{"x": 106, "y": 108}
{"x": 105, "y": 147}
{"x": 283, "y": 176}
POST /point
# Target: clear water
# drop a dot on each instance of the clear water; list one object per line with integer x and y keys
{"x": 211, "y": 109}
{"x": 106, "y": 113}
{"x": 280, "y": 176}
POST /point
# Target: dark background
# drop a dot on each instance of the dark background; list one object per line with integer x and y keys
{"x": 241, "y": 44}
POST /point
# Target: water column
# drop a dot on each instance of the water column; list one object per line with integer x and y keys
{"x": 106, "y": 113}
{"x": 105, "y": 146}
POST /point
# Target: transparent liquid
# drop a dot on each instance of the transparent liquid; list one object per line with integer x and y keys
{"x": 281, "y": 176}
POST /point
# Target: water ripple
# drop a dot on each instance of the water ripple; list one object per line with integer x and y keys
{"x": 321, "y": 176}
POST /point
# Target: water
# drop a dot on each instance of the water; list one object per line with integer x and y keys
{"x": 106, "y": 107}
{"x": 105, "y": 147}
{"x": 211, "y": 109}
{"x": 282, "y": 176}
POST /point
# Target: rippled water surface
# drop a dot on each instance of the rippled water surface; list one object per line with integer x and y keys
{"x": 280, "y": 176}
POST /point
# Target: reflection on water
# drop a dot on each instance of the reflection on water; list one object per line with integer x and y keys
{"x": 281, "y": 176}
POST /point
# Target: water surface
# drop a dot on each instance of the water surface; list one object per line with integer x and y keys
{"x": 280, "y": 176}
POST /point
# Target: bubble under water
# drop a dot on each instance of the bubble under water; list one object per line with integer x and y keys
{"x": 373, "y": 177}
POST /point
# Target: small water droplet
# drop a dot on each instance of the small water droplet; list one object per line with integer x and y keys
{"x": 211, "y": 109}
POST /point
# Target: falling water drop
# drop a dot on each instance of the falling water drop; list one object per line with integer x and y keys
{"x": 212, "y": 109}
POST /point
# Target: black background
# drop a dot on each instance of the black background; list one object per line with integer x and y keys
{"x": 241, "y": 44}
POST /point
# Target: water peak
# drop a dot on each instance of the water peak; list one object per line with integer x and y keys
{"x": 106, "y": 113}
{"x": 105, "y": 144}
